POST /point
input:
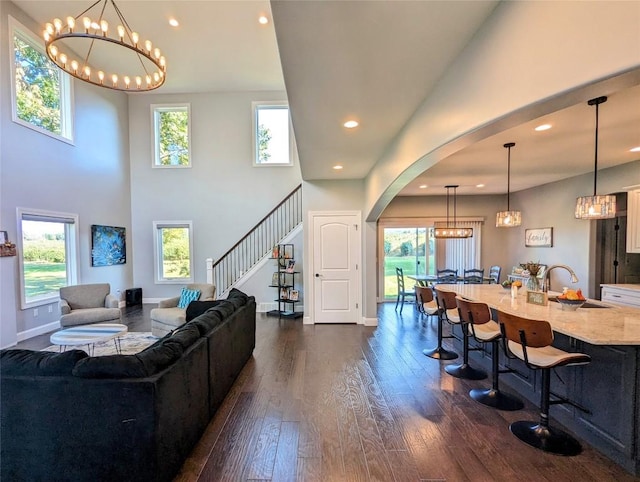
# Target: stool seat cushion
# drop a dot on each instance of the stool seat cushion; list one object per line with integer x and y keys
{"x": 488, "y": 331}
{"x": 548, "y": 356}
{"x": 431, "y": 307}
{"x": 453, "y": 316}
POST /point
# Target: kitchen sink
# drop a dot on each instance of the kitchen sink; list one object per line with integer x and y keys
{"x": 586, "y": 305}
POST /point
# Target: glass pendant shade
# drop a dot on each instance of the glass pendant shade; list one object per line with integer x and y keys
{"x": 508, "y": 219}
{"x": 596, "y": 207}
{"x": 450, "y": 230}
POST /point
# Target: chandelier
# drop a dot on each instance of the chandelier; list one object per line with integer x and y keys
{"x": 508, "y": 218}
{"x": 142, "y": 70}
{"x": 451, "y": 231}
{"x": 596, "y": 207}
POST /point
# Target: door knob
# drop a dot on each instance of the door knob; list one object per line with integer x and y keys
{"x": 317, "y": 275}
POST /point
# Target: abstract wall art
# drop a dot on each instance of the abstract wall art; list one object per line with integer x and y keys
{"x": 108, "y": 245}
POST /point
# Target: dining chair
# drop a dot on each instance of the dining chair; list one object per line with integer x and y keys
{"x": 530, "y": 341}
{"x": 473, "y": 276}
{"x": 494, "y": 274}
{"x": 448, "y": 276}
{"x": 402, "y": 292}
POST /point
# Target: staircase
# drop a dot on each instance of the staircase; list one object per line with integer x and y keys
{"x": 256, "y": 244}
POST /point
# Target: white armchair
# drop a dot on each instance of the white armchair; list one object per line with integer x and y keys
{"x": 168, "y": 315}
{"x": 87, "y": 304}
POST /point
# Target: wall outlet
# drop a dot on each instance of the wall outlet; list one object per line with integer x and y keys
{"x": 35, "y": 312}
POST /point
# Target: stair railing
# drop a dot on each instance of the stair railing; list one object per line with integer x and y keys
{"x": 257, "y": 243}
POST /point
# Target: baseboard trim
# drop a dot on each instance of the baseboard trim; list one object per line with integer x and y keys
{"x": 370, "y": 321}
{"x": 38, "y": 330}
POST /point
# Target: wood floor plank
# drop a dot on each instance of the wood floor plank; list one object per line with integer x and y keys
{"x": 286, "y": 461}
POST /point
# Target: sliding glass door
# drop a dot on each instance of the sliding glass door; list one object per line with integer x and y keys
{"x": 409, "y": 248}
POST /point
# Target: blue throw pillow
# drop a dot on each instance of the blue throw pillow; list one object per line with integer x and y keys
{"x": 187, "y": 296}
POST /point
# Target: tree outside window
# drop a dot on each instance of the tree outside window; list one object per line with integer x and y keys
{"x": 41, "y": 91}
{"x": 172, "y": 139}
{"x": 173, "y": 251}
{"x": 272, "y": 135}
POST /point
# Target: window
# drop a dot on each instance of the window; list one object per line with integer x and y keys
{"x": 174, "y": 245}
{"x": 272, "y": 140}
{"x": 40, "y": 91}
{"x": 171, "y": 135}
{"x": 48, "y": 255}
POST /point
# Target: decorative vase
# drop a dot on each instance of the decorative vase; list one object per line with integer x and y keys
{"x": 533, "y": 283}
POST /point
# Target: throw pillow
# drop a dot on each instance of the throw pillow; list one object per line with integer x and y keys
{"x": 187, "y": 296}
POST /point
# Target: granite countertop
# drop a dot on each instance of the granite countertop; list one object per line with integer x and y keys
{"x": 613, "y": 325}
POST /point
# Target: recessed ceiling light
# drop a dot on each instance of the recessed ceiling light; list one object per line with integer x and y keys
{"x": 423, "y": 186}
{"x": 635, "y": 149}
{"x": 543, "y": 127}
{"x": 351, "y": 124}
{"x": 173, "y": 22}
{"x": 263, "y": 20}
{"x": 337, "y": 167}
{"x": 479, "y": 185}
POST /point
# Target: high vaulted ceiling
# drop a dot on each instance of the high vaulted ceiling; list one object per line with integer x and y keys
{"x": 373, "y": 61}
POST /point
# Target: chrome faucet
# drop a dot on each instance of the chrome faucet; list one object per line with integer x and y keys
{"x": 546, "y": 280}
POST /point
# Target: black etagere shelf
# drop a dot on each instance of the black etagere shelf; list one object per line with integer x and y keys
{"x": 284, "y": 280}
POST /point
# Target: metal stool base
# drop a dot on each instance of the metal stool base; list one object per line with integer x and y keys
{"x": 496, "y": 399}
{"x": 465, "y": 371}
{"x": 439, "y": 353}
{"x": 548, "y": 439}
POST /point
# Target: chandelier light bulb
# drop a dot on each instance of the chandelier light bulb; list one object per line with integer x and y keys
{"x": 138, "y": 81}
{"x": 48, "y": 27}
{"x": 156, "y": 53}
{"x": 87, "y": 71}
{"x": 71, "y": 23}
{"x": 54, "y": 51}
{"x": 86, "y": 21}
{"x": 46, "y": 35}
{"x": 114, "y": 79}
{"x": 101, "y": 76}
{"x": 120, "y": 32}
{"x": 57, "y": 23}
{"x": 63, "y": 60}
{"x": 134, "y": 38}
{"x": 156, "y": 77}
{"x": 95, "y": 26}
{"x": 104, "y": 26}
{"x": 74, "y": 66}
{"x": 127, "y": 81}
{"x": 148, "y": 46}
{"x": 163, "y": 62}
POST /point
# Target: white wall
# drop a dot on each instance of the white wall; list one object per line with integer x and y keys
{"x": 90, "y": 178}
{"x": 222, "y": 193}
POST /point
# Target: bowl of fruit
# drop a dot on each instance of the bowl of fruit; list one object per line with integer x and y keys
{"x": 507, "y": 284}
{"x": 571, "y": 300}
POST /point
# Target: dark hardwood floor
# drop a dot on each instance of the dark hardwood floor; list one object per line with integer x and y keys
{"x": 353, "y": 403}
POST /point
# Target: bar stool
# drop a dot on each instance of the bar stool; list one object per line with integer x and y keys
{"x": 451, "y": 315}
{"x": 485, "y": 330}
{"x": 530, "y": 341}
{"x": 426, "y": 303}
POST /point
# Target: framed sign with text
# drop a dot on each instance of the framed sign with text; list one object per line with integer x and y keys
{"x": 539, "y": 237}
{"x": 537, "y": 298}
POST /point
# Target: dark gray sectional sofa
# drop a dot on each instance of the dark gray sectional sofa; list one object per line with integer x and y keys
{"x": 71, "y": 417}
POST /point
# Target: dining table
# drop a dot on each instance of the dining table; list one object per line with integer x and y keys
{"x": 430, "y": 279}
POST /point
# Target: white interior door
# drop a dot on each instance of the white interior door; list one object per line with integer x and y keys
{"x": 336, "y": 263}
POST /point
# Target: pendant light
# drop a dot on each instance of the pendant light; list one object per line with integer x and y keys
{"x": 451, "y": 231}
{"x": 508, "y": 218}
{"x": 596, "y": 207}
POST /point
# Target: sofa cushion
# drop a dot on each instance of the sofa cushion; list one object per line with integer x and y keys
{"x": 187, "y": 296}
{"x": 34, "y": 363}
{"x": 207, "y": 321}
{"x": 196, "y": 308}
{"x": 91, "y": 315}
{"x": 185, "y": 336}
{"x": 169, "y": 316}
{"x": 112, "y": 366}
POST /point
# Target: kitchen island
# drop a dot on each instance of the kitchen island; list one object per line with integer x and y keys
{"x": 608, "y": 387}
